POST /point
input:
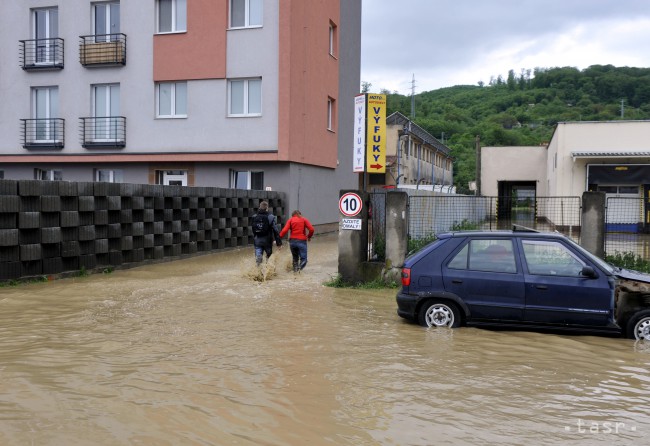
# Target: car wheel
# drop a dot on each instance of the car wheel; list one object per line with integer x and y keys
{"x": 439, "y": 314}
{"x": 638, "y": 326}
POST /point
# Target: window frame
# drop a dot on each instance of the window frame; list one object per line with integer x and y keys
{"x": 110, "y": 9}
{"x": 331, "y": 114}
{"x": 173, "y": 100}
{"x": 247, "y": 15}
{"x": 333, "y": 39}
{"x": 174, "y": 25}
{"x": 167, "y": 176}
{"x": 50, "y": 110}
{"x": 252, "y": 178}
{"x": 245, "y": 99}
{"x": 112, "y": 103}
{"x": 51, "y": 31}
{"x": 114, "y": 175}
{"x": 50, "y": 174}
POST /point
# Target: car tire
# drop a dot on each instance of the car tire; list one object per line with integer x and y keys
{"x": 638, "y": 326}
{"x": 435, "y": 313}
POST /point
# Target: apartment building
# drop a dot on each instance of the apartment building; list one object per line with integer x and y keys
{"x": 246, "y": 94}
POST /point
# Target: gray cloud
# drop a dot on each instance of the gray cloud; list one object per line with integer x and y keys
{"x": 446, "y": 36}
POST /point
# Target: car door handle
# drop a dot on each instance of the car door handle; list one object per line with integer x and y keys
{"x": 541, "y": 287}
{"x": 456, "y": 281}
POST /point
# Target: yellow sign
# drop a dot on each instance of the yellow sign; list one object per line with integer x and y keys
{"x": 376, "y": 134}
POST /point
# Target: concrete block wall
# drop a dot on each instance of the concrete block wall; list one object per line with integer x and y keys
{"x": 48, "y": 228}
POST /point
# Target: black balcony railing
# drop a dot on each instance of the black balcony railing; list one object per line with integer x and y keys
{"x": 43, "y": 133}
{"x": 107, "y": 131}
{"x": 41, "y": 54}
{"x": 102, "y": 50}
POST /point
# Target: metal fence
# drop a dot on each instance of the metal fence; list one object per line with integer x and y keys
{"x": 625, "y": 231}
{"x": 377, "y": 226}
{"x": 430, "y": 215}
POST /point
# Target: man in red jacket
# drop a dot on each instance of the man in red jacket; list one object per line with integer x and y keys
{"x": 301, "y": 232}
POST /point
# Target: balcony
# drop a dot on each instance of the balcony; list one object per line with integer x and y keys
{"x": 102, "y": 50}
{"x": 41, "y": 54}
{"x": 43, "y": 133}
{"x": 103, "y": 132}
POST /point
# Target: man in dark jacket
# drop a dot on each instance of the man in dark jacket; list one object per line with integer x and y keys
{"x": 265, "y": 231}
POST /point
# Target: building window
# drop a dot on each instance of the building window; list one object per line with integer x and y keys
{"x": 172, "y": 16}
{"x": 2, "y": 174}
{"x": 172, "y": 177}
{"x": 48, "y": 174}
{"x": 245, "y": 13}
{"x": 45, "y": 110}
{"x": 106, "y": 109}
{"x": 331, "y": 113}
{"x": 109, "y": 176}
{"x": 333, "y": 40}
{"x": 246, "y": 179}
{"x": 171, "y": 100}
{"x": 106, "y": 21}
{"x": 46, "y": 30}
{"x": 245, "y": 97}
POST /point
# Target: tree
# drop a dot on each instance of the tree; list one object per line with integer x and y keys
{"x": 523, "y": 110}
{"x": 365, "y": 87}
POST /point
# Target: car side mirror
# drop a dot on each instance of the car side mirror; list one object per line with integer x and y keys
{"x": 588, "y": 271}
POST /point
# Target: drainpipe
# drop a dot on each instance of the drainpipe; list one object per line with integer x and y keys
{"x": 399, "y": 156}
{"x": 419, "y": 160}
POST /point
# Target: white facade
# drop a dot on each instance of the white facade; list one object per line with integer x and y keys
{"x": 577, "y": 146}
{"x": 581, "y": 156}
{"x": 524, "y": 164}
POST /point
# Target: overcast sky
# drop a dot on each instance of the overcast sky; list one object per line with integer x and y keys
{"x": 461, "y": 42}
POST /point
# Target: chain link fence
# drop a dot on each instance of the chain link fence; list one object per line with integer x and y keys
{"x": 430, "y": 215}
{"x": 626, "y": 234}
{"x": 377, "y": 226}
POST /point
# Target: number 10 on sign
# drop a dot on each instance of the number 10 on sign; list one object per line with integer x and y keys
{"x": 350, "y": 204}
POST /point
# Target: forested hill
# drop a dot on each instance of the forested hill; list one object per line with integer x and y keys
{"x": 524, "y": 108}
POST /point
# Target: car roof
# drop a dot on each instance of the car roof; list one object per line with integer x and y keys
{"x": 516, "y": 231}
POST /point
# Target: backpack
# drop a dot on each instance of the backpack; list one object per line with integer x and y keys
{"x": 261, "y": 225}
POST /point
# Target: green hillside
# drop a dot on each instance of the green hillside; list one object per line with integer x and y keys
{"x": 524, "y": 108}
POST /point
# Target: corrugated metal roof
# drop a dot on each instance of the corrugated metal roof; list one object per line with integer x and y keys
{"x": 397, "y": 118}
{"x": 618, "y": 154}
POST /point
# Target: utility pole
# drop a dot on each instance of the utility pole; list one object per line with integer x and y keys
{"x": 622, "y": 108}
{"x": 477, "y": 147}
{"x": 413, "y": 97}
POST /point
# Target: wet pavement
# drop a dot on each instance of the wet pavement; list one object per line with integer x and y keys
{"x": 201, "y": 352}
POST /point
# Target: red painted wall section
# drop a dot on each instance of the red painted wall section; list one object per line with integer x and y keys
{"x": 199, "y": 53}
{"x": 308, "y": 76}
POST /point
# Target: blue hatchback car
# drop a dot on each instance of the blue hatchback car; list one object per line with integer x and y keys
{"x": 524, "y": 279}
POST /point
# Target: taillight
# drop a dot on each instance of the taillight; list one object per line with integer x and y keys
{"x": 406, "y": 276}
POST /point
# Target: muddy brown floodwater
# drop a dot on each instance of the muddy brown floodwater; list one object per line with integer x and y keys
{"x": 197, "y": 352}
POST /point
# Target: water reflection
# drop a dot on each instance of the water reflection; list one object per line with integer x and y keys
{"x": 195, "y": 352}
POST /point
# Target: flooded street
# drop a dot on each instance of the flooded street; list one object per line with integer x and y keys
{"x": 196, "y": 352}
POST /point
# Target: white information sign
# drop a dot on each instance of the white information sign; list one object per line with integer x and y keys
{"x": 359, "y": 163}
{"x": 351, "y": 223}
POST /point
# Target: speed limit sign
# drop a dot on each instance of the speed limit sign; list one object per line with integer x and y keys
{"x": 350, "y": 204}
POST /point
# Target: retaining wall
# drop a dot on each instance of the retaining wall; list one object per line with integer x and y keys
{"x": 54, "y": 227}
